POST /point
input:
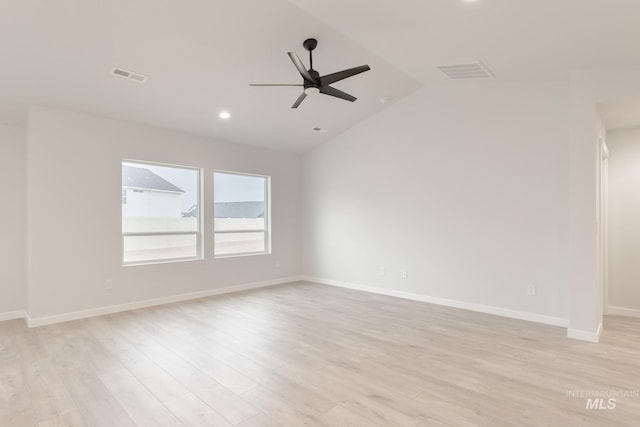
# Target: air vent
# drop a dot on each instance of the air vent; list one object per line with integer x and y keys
{"x": 129, "y": 75}
{"x": 473, "y": 70}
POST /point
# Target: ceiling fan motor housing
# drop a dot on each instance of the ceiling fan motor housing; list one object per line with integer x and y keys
{"x": 316, "y": 79}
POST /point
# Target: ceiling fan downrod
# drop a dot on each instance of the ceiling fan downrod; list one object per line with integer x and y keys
{"x": 310, "y": 45}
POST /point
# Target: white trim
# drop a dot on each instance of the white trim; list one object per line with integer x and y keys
{"x": 604, "y": 226}
{"x": 12, "y": 315}
{"x": 498, "y": 311}
{"x": 604, "y": 148}
{"x": 621, "y": 311}
{"x": 589, "y": 336}
{"x": 65, "y": 317}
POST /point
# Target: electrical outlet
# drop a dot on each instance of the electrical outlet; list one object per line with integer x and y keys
{"x": 404, "y": 274}
{"x": 531, "y": 290}
{"x": 382, "y": 271}
{"x": 108, "y": 284}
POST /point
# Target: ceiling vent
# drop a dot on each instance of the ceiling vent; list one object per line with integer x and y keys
{"x": 129, "y": 75}
{"x": 472, "y": 70}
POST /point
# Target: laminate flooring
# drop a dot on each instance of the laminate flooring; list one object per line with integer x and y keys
{"x": 304, "y": 354}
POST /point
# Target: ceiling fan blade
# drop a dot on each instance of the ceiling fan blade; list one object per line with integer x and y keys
{"x": 332, "y": 91}
{"x": 341, "y": 75}
{"x": 272, "y": 84}
{"x": 301, "y": 98}
{"x": 300, "y": 66}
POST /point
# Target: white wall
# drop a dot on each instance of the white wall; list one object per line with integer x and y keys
{"x": 74, "y": 250}
{"x": 465, "y": 186}
{"x": 13, "y": 251}
{"x": 624, "y": 218}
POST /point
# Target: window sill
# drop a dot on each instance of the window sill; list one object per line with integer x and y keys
{"x": 238, "y": 255}
{"x": 161, "y": 261}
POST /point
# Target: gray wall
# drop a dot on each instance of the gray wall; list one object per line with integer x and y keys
{"x": 13, "y": 251}
{"x": 624, "y": 220}
{"x": 75, "y": 218}
{"x": 466, "y": 187}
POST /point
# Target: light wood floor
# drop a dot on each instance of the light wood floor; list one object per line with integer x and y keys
{"x": 305, "y": 354}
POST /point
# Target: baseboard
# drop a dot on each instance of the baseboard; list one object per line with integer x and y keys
{"x": 12, "y": 315}
{"x": 503, "y": 312}
{"x": 100, "y": 311}
{"x": 589, "y": 336}
{"x": 621, "y": 311}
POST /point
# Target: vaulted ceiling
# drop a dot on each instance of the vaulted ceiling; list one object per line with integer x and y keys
{"x": 621, "y": 113}
{"x": 201, "y": 55}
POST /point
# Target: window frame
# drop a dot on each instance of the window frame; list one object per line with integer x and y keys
{"x": 198, "y": 233}
{"x": 267, "y": 217}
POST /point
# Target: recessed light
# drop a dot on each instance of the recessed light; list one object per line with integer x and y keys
{"x": 224, "y": 115}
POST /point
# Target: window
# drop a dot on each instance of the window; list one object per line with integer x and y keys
{"x": 241, "y": 210}
{"x": 160, "y": 218}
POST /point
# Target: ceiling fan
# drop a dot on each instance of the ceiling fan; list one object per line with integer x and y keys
{"x": 312, "y": 79}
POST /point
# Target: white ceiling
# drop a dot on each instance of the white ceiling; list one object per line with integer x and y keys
{"x": 516, "y": 39}
{"x": 200, "y": 56}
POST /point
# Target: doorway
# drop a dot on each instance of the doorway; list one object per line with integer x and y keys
{"x": 619, "y": 206}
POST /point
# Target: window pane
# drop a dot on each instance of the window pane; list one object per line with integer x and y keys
{"x": 156, "y": 200}
{"x": 239, "y": 201}
{"x": 159, "y": 198}
{"x": 241, "y": 205}
{"x": 238, "y": 224}
{"x": 149, "y": 248}
{"x": 231, "y": 187}
{"x": 159, "y": 225}
{"x": 239, "y": 243}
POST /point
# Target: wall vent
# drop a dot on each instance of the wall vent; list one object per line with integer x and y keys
{"x": 472, "y": 70}
{"x": 140, "y": 78}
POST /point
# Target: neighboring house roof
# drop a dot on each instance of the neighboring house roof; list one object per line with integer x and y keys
{"x": 145, "y": 179}
{"x": 239, "y": 209}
